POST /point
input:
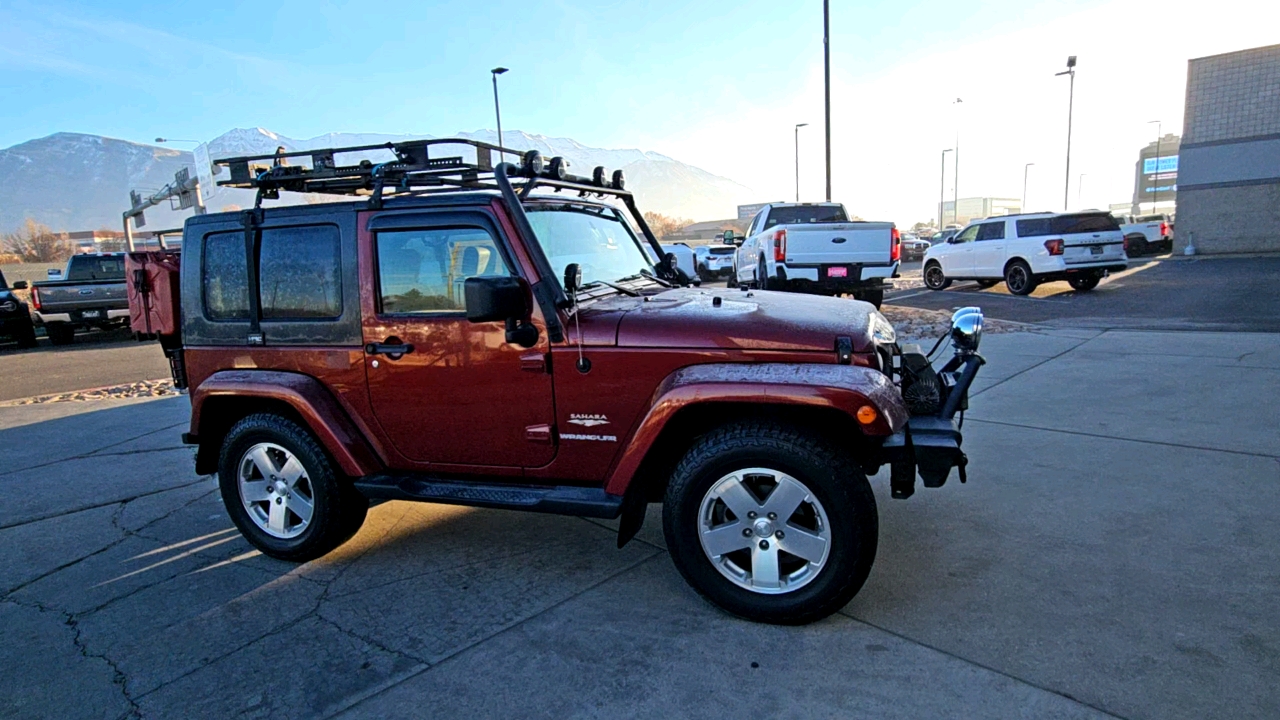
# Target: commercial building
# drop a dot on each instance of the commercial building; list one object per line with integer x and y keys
{"x": 976, "y": 208}
{"x": 1229, "y": 189}
{"x": 1155, "y": 176}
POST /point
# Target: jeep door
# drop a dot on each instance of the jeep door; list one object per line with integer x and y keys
{"x": 444, "y": 390}
{"x": 989, "y": 250}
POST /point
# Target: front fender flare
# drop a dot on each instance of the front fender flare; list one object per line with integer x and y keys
{"x": 308, "y": 397}
{"x": 842, "y": 387}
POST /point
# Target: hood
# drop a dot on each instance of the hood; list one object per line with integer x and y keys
{"x": 729, "y": 319}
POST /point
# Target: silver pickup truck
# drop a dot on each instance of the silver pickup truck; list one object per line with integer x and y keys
{"x": 91, "y": 295}
{"x": 816, "y": 248}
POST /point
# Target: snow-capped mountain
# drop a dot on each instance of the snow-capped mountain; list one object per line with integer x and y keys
{"x": 71, "y": 181}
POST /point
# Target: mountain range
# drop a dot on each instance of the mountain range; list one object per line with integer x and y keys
{"x": 72, "y": 181}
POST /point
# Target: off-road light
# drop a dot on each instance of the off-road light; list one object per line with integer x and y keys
{"x": 532, "y": 163}
{"x": 559, "y": 168}
{"x": 599, "y": 176}
{"x": 619, "y": 180}
{"x": 867, "y": 414}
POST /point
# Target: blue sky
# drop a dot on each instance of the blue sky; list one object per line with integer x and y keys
{"x": 719, "y": 85}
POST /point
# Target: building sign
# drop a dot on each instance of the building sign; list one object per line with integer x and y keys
{"x": 1157, "y": 179}
{"x": 746, "y": 212}
{"x": 1167, "y": 164}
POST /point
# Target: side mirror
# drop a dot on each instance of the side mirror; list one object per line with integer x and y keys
{"x": 20, "y": 285}
{"x": 572, "y": 277}
{"x": 501, "y": 298}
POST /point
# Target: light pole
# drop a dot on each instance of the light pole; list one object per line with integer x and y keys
{"x": 942, "y": 188}
{"x": 826, "y": 69}
{"x": 1025, "y": 170}
{"x": 955, "y": 188}
{"x": 1071, "y": 100}
{"x": 798, "y": 126}
{"x": 1155, "y": 190}
{"x": 496, "y": 110}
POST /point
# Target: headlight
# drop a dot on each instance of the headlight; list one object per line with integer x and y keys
{"x": 966, "y": 328}
{"x": 882, "y": 332}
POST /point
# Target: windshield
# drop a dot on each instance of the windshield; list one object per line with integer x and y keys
{"x": 594, "y": 237}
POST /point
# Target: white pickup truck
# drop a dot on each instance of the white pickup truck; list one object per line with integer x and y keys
{"x": 1146, "y": 233}
{"x": 815, "y": 248}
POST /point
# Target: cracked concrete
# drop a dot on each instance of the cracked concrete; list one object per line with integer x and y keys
{"x": 1109, "y": 558}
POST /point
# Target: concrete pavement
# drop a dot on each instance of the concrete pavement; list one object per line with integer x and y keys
{"x": 1115, "y": 554}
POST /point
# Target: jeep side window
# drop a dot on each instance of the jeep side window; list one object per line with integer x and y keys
{"x": 226, "y": 287}
{"x": 424, "y": 271}
{"x": 968, "y": 235}
{"x": 300, "y": 273}
{"x": 991, "y": 231}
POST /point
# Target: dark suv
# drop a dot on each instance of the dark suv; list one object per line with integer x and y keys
{"x": 461, "y": 337}
{"x": 15, "y": 317}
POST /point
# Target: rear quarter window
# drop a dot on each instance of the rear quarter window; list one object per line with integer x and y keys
{"x": 226, "y": 287}
{"x": 1066, "y": 225}
{"x": 300, "y": 273}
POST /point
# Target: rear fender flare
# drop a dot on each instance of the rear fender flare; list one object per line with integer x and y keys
{"x": 229, "y": 390}
{"x": 841, "y": 387}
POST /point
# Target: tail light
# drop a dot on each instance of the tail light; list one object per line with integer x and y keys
{"x": 1164, "y": 229}
{"x": 35, "y": 298}
{"x": 1053, "y": 246}
{"x": 780, "y": 246}
{"x": 895, "y": 252}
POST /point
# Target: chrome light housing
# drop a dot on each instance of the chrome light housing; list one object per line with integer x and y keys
{"x": 882, "y": 332}
{"x": 966, "y": 329}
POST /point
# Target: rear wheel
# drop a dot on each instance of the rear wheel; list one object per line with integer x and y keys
{"x": 1018, "y": 278}
{"x": 771, "y": 523}
{"x": 1084, "y": 283}
{"x": 934, "y": 279}
{"x": 875, "y": 296}
{"x": 762, "y": 275}
{"x": 60, "y": 333}
{"x": 282, "y": 491}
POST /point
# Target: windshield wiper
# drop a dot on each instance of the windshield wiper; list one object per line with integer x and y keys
{"x": 619, "y": 288}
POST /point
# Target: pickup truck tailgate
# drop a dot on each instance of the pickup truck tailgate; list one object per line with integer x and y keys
{"x": 860, "y": 243}
{"x": 64, "y": 298}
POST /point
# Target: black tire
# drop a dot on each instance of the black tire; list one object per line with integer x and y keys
{"x": 1018, "y": 278}
{"x": 1084, "y": 283}
{"x": 1136, "y": 245}
{"x": 26, "y": 337}
{"x": 60, "y": 333}
{"x": 934, "y": 279}
{"x": 828, "y": 472}
{"x": 733, "y": 279}
{"x": 762, "y": 275}
{"x": 338, "y": 509}
{"x": 984, "y": 284}
{"x": 875, "y": 296}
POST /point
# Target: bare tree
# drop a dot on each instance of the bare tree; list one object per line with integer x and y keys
{"x": 662, "y": 226}
{"x": 36, "y": 243}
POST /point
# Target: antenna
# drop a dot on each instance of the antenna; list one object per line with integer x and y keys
{"x": 572, "y": 281}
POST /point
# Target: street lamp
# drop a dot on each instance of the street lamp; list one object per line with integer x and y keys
{"x": 826, "y": 68}
{"x": 1071, "y": 71}
{"x": 496, "y": 111}
{"x": 955, "y": 188}
{"x": 798, "y": 126}
{"x": 1155, "y": 197}
{"x": 1025, "y": 170}
{"x": 942, "y": 188}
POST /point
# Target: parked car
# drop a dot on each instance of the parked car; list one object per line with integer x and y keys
{"x": 1146, "y": 233}
{"x": 499, "y": 345}
{"x": 92, "y": 295}
{"x": 914, "y": 248}
{"x": 1026, "y": 250}
{"x": 815, "y": 248}
{"x": 714, "y": 261}
{"x": 15, "y": 317}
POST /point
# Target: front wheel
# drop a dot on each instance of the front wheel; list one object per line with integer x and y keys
{"x": 934, "y": 278}
{"x": 771, "y": 523}
{"x": 282, "y": 491}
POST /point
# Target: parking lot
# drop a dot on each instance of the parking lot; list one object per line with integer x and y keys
{"x": 1114, "y": 554}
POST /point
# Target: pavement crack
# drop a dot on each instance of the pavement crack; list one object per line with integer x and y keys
{"x": 94, "y": 453}
{"x": 1124, "y": 439}
{"x": 370, "y": 641}
{"x": 95, "y": 506}
{"x": 988, "y": 668}
{"x": 1033, "y": 367}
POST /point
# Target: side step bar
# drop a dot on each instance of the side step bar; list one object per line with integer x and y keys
{"x": 559, "y": 500}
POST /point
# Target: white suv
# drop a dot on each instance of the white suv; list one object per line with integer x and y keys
{"x": 1026, "y": 250}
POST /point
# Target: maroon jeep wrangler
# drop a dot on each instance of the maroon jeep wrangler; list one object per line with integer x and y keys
{"x": 501, "y": 336}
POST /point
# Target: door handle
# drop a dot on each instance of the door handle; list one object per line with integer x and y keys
{"x": 393, "y": 348}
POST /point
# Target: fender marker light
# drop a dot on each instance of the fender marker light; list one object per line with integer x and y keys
{"x": 867, "y": 414}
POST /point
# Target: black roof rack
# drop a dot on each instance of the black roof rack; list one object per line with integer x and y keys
{"x": 418, "y": 167}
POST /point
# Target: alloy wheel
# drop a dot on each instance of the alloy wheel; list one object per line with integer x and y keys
{"x": 275, "y": 490}
{"x": 933, "y": 277}
{"x": 764, "y": 530}
{"x": 1017, "y": 279}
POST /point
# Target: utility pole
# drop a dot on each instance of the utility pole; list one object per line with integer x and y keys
{"x": 826, "y": 63}
{"x": 1025, "y": 170}
{"x": 955, "y": 198}
{"x": 798, "y": 126}
{"x": 1155, "y": 197}
{"x": 496, "y": 111}
{"x": 1071, "y": 101}
{"x": 942, "y": 188}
